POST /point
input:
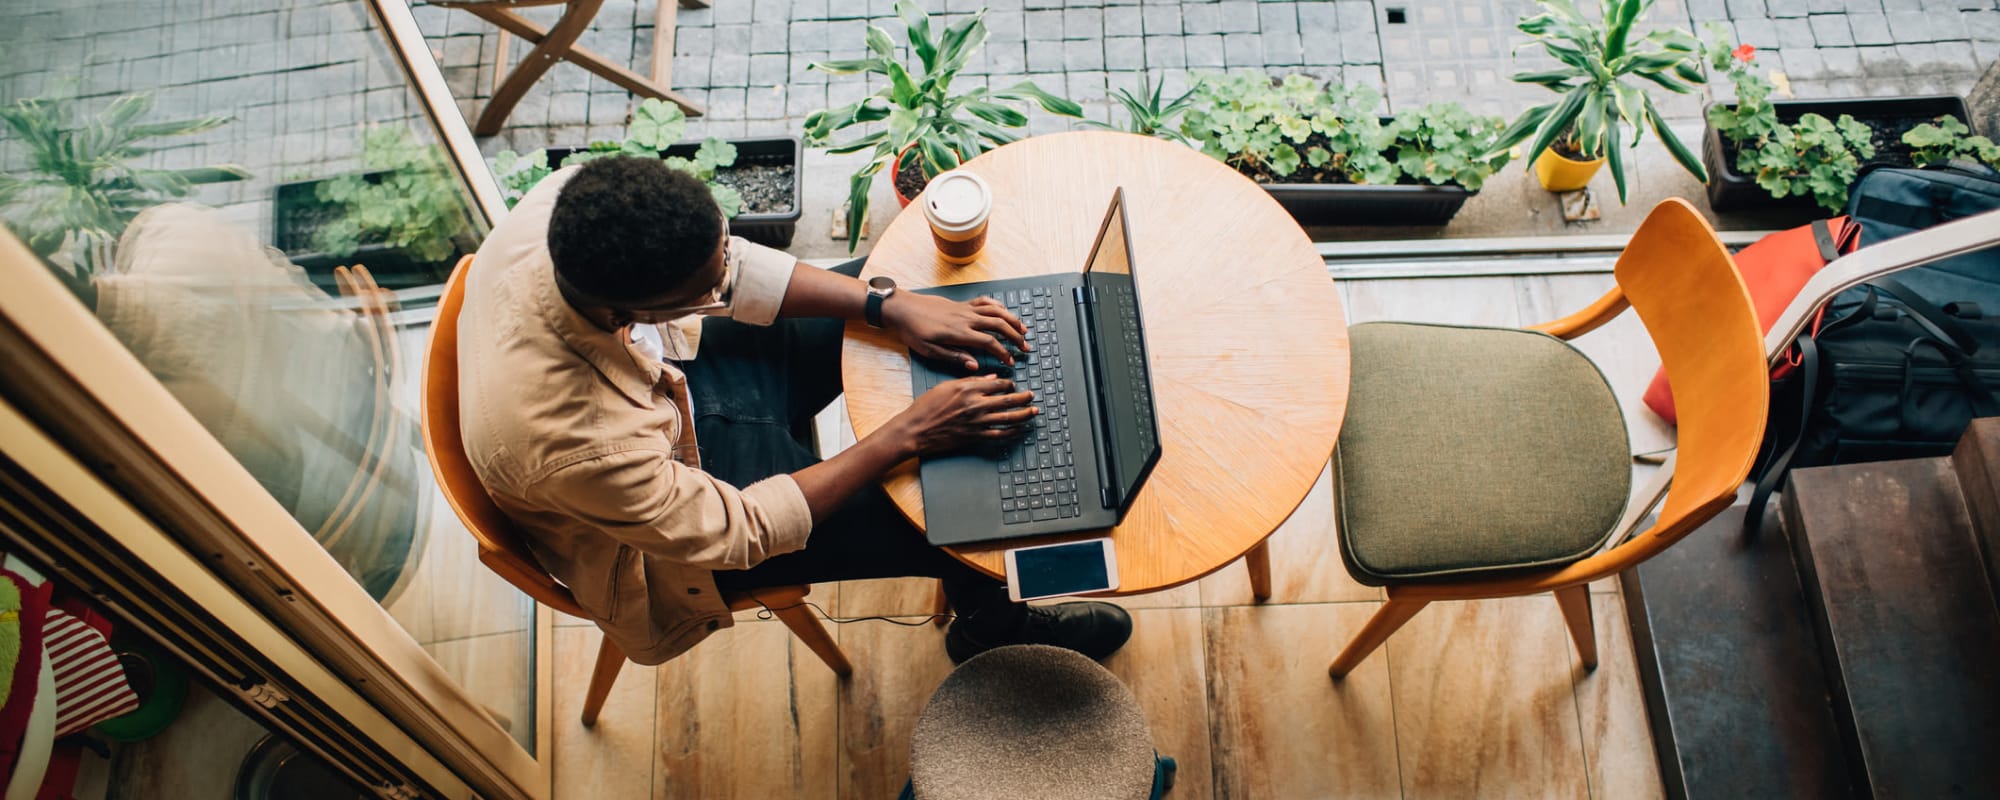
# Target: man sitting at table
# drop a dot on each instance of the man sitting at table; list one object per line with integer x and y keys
{"x": 631, "y": 377}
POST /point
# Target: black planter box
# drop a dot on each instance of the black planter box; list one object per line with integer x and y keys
{"x": 1358, "y": 204}
{"x": 297, "y": 214}
{"x": 1729, "y": 191}
{"x": 773, "y": 229}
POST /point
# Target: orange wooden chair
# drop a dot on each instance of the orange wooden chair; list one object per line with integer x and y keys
{"x": 558, "y": 43}
{"x": 1517, "y": 480}
{"x": 501, "y": 547}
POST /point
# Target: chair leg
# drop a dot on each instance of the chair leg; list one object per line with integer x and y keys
{"x": 1387, "y": 619}
{"x": 941, "y": 607}
{"x": 549, "y": 48}
{"x": 598, "y": 65}
{"x": 807, "y": 627}
{"x": 610, "y": 660}
{"x": 1259, "y": 562}
{"x": 1575, "y": 602}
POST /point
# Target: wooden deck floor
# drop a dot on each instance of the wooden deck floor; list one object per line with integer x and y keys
{"x": 1474, "y": 699}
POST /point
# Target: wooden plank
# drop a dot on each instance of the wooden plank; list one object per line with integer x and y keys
{"x": 1734, "y": 689}
{"x": 1909, "y": 634}
{"x": 1977, "y": 461}
{"x": 664, "y": 21}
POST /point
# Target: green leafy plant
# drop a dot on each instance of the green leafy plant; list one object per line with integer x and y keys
{"x": 655, "y": 127}
{"x": 919, "y": 109}
{"x": 1947, "y": 139}
{"x": 1291, "y": 130}
{"x": 1147, "y": 114}
{"x": 1814, "y": 156}
{"x": 82, "y": 186}
{"x": 1444, "y": 143}
{"x": 407, "y": 200}
{"x": 1294, "y": 130}
{"x": 1602, "y": 67}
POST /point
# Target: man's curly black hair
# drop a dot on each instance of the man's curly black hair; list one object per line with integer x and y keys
{"x": 629, "y": 227}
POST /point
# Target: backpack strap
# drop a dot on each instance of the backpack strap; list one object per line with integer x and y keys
{"x": 1774, "y": 472}
{"x": 1930, "y": 317}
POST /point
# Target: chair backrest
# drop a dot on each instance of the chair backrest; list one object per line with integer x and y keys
{"x": 501, "y": 547}
{"x": 1686, "y": 289}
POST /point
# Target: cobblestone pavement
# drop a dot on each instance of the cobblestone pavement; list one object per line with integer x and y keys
{"x": 745, "y": 59}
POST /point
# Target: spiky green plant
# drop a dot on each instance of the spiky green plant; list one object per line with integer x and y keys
{"x": 1602, "y": 65}
{"x": 83, "y": 186}
{"x": 1147, "y": 114}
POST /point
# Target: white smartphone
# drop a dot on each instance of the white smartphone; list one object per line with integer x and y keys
{"x": 1056, "y": 570}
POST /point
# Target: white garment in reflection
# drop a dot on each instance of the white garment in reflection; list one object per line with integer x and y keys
{"x": 293, "y": 382}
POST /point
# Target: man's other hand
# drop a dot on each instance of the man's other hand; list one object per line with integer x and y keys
{"x": 946, "y": 330}
{"x": 962, "y": 412}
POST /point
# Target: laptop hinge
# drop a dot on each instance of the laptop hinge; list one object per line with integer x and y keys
{"x": 1086, "y": 294}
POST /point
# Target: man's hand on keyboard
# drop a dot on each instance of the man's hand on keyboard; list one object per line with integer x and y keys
{"x": 946, "y": 330}
{"x": 962, "y": 412}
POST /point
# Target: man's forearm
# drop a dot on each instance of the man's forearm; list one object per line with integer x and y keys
{"x": 829, "y": 483}
{"x": 816, "y": 292}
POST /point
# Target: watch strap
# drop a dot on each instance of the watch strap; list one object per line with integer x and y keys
{"x": 873, "y": 310}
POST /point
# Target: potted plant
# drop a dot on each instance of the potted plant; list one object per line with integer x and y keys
{"x": 82, "y": 186}
{"x": 1148, "y": 115}
{"x": 928, "y": 127}
{"x": 1601, "y": 67}
{"x": 404, "y": 215}
{"x": 1322, "y": 152}
{"x": 1802, "y": 156}
{"x": 754, "y": 181}
{"x": 1946, "y": 140}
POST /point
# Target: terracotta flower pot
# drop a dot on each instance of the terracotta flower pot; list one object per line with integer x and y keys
{"x": 1559, "y": 173}
{"x": 894, "y": 185}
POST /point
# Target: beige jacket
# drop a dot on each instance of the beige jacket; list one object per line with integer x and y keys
{"x": 589, "y": 445}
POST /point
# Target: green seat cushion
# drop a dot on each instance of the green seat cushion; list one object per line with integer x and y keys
{"x": 1474, "y": 451}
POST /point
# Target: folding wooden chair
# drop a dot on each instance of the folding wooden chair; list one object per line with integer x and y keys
{"x": 557, "y": 43}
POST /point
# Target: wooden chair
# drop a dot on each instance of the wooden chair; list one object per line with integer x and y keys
{"x": 1685, "y": 287}
{"x": 501, "y": 547}
{"x": 558, "y": 43}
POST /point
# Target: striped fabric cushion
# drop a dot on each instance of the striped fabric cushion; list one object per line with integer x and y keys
{"x": 90, "y": 684}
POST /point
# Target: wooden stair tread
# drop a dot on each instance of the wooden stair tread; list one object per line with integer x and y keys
{"x": 1734, "y": 689}
{"x": 1904, "y": 613}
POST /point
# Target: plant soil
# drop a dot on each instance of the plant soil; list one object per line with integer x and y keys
{"x": 1885, "y": 133}
{"x": 766, "y": 189}
{"x": 910, "y": 179}
{"x": 1567, "y": 149}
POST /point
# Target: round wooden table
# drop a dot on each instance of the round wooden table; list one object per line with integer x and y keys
{"x": 1245, "y": 331}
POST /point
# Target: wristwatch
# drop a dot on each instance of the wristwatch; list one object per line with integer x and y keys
{"x": 879, "y": 289}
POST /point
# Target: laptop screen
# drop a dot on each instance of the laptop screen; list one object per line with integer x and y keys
{"x": 1121, "y": 355}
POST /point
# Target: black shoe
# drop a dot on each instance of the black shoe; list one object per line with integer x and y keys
{"x": 1093, "y": 629}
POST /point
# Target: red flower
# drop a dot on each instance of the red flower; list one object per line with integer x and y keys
{"x": 1745, "y": 53}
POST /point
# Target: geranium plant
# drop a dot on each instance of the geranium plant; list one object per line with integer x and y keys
{"x": 1814, "y": 156}
{"x": 1603, "y": 80}
{"x": 1945, "y": 140}
{"x": 1291, "y": 130}
{"x": 1295, "y": 130}
{"x": 655, "y": 126}
{"x": 412, "y": 205}
{"x": 919, "y": 108}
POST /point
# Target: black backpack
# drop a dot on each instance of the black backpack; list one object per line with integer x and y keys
{"x": 1899, "y": 366}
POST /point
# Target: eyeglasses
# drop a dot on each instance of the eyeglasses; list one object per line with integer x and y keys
{"x": 716, "y": 299}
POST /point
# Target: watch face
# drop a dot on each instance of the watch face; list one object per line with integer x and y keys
{"x": 881, "y": 284}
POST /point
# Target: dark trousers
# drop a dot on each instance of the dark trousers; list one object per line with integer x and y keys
{"x": 753, "y": 388}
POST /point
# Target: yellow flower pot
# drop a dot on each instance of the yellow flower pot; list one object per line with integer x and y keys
{"x": 1560, "y": 174}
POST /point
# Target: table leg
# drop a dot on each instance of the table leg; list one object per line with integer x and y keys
{"x": 1259, "y": 562}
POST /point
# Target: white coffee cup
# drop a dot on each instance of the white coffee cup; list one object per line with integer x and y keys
{"x": 957, "y": 204}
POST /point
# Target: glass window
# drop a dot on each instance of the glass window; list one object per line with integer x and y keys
{"x": 252, "y": 199}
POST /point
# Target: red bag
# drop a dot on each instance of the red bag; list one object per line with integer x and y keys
{"x": 1775, "y": 268}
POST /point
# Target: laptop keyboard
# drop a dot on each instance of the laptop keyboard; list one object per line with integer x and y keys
{"x": 1038, "y": 476}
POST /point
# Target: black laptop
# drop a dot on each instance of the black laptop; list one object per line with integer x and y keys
{"x": 1083, "y": 459}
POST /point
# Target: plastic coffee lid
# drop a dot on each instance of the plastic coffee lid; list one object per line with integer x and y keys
{"x": 957, "y": 200}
